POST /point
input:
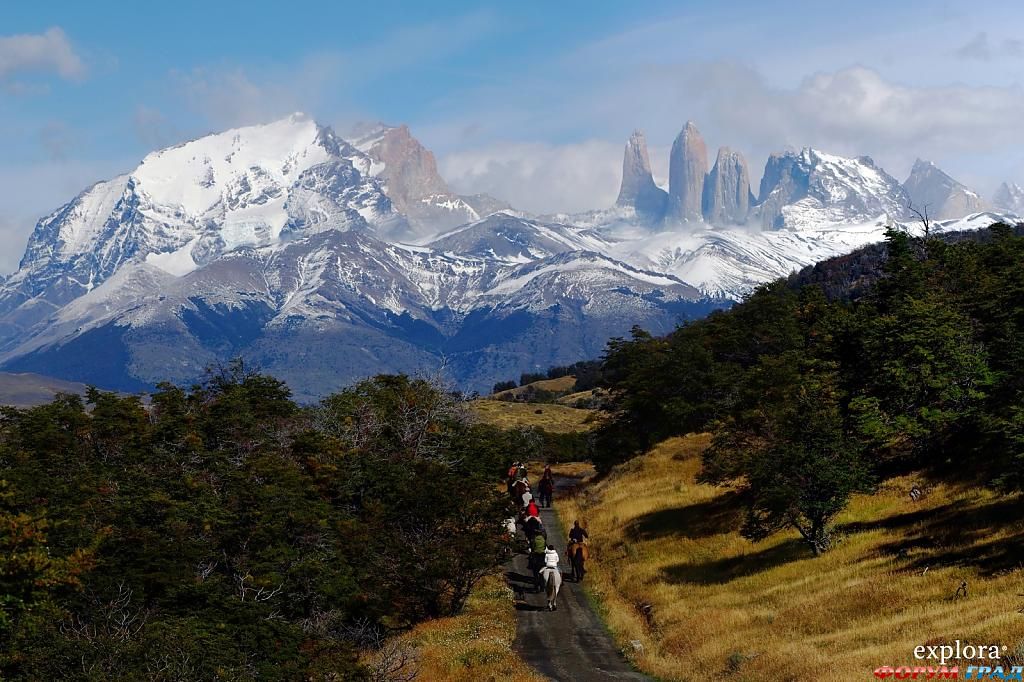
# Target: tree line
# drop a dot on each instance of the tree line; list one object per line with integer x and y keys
{"x": 906, "y": 356}
{"x": 225, "y": 532}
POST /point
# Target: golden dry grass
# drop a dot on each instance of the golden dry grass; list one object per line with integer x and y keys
{"x": 574, "y": 398}
{"x": 553, "y": 418}
{"x": 559, "y": 385}
{"x": 475, "y": 645}
{"x": 723, "y": 606}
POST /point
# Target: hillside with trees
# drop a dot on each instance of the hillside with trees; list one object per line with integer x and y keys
{"x": 904, "y": 357}
{"x": 224, "y": 532}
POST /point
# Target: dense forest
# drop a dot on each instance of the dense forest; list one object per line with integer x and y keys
{"x": 904, "y": 356}
{"x": 224, "y": 532}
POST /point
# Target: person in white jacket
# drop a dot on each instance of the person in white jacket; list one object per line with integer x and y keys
{"x": 551, "y": 557}
{"x": 552, "y": 576}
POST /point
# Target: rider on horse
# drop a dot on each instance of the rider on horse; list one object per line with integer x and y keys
{"x": 577, "y": 550}
{"x": 551, "y": 576}
{"x": 538, "y": 548}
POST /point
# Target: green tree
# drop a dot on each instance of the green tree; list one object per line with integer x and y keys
{"x": 791, "y": 455}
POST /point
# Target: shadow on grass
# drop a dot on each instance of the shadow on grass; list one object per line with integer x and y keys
{"x": 723, "y": 571}
{"x": 721, "y": 514}
{"x": 956, "y": 534}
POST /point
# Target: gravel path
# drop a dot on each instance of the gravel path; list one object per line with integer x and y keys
{"x": 572, "y": 642}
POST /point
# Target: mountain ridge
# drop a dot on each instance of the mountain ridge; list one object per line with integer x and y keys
{"x": 327, "y": 259}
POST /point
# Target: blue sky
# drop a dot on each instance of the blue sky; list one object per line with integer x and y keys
{"x": 528, "y": 101}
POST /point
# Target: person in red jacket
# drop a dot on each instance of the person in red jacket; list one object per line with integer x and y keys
{"x": 532, "y": 510}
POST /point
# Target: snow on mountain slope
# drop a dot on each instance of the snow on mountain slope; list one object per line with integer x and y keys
{"x": 326, "y": 261}
{"x": 512, "y": 238}
{"x": 730, "y": 263}
{"x": 281, "y": 302}
{"x": 185, "y": 205}
{"x": 811, "y": 189}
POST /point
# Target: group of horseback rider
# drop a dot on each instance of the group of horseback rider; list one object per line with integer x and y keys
{"x": 543, "y": 558}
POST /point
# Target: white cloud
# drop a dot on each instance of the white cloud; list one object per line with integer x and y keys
{"x": 48, "y": 52}
{"x": 540, "y": 178}
{"x": 856, "y": 111}
{"x": 972, "y": 131}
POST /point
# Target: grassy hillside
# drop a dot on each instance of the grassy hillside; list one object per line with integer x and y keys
{"x": 547, "y": 416}
{"x": 475, "y": 645}
{"x": 560, "y": 385}
{"x": 717, "y": 604}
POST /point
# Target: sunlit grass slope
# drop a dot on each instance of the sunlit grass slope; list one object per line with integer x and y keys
{"x": 559, "y": 385}
{"x": 476, "y": 645}
{"x": 547, "y": 416}
{"x": 672, "y": 574}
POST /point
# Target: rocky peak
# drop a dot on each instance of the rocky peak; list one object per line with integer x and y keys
{"x": 638, "y": 189}
{"x": 688, "y": 166}
{"x": 929, "y": 188}
{"x": 408, "y": 168}
{"x": 1010, "y": 197}
{"x": 809, "y": 189}
{"x": 727, "y": 196}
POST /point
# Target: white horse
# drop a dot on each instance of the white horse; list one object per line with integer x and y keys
{"x": 553, "y": 581}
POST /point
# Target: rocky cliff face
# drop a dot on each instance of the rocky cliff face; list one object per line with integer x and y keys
{"x": 928, "y": 188}
{"x": 1009, "y": 197}
{"x": 688, "y": 166}
{"x": 727, "y": 196}
{"x": 638, "y": 190}
{"x": 411, "y": 180}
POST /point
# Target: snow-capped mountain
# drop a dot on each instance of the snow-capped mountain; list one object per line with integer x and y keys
{"x": 324, "y": 309}
{"x": 409, "y": 175}
{"x": 326, "y": 260}
{"x": 184, "y": 206}
{"x": 811, "y": 189}
{"x": 729, "y": 263}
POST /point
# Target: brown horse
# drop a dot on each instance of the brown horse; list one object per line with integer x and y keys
{"x": 578, "y": 554}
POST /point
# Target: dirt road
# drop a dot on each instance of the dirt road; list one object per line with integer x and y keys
{"x": 570, "y": 643}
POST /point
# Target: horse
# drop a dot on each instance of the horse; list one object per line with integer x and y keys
{"x": 518, "y": 489}
{"x": 553, "y": 583}
{"x": 578, "y": 555}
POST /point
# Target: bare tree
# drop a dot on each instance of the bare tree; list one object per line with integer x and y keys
{"x": 923, "y": 218}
